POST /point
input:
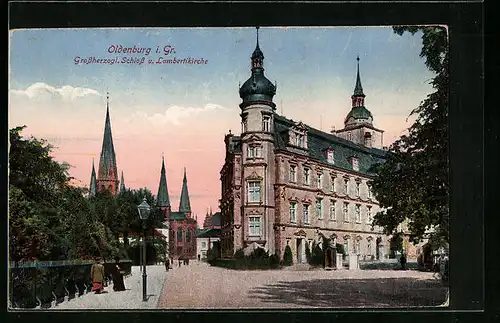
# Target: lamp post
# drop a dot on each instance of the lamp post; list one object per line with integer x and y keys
{"x": 144, "y": 209}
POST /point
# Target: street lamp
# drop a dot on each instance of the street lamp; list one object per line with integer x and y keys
{"x": 144, "y": 209}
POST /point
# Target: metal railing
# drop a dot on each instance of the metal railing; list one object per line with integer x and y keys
{"x": 44, "y": 284}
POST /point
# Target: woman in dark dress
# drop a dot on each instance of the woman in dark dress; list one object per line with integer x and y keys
{"x": 118, "y": 283}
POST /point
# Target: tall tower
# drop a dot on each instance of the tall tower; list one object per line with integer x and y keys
{"x": 93, "y": 183}
{"x": 257, "y": 116}
{"x": 107, "y": 177}
{"x": 358, "y": 124}
{"x": 162, "y": 200}
{"x": 184, "y": 204}
{"x": 122, "y": 184}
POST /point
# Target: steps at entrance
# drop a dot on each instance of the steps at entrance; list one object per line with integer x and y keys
{"x": 298, "y": 267}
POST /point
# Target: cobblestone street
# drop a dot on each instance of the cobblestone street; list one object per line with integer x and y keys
{"x": 200, "y": 286}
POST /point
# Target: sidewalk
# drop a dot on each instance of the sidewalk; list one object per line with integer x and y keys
{"x": 128, "y": 299}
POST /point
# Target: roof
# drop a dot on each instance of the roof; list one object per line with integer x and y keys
{"x": 107, "y": 161}
{"x": 162, "y": 196}
{"x": 216, "y": 219}
{"x": 206, "y": 233}
{"x": 318, "y": 142}
{"x": 184, "y": 204}
{"x": 359, "y": 113}
{"x": 177, "y": 216}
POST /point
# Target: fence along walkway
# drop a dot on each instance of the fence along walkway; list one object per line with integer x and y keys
{"x": 128, "y": 299}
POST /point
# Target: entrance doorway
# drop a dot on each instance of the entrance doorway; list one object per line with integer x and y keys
{"x": 300, "y": 249}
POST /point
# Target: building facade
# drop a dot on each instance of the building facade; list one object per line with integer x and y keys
{"x": 181, "y": 225}
{"x": 283, "y": 181}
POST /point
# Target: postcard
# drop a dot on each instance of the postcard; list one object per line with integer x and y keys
{"x": 224, "y": 168}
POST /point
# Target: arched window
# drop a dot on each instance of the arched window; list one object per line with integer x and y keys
{"x": 179, "y": 235}
{"x": 188, "y": 236}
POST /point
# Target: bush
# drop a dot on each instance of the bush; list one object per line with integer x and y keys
{"x": 317, "y": 257}
{"x": 239, "y": 254}
{"x": 274, "y": 261}
{"x": 288, "y": 257}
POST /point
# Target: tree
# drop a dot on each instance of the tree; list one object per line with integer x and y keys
{"x": 396, "y": 242}
{"x": 287, "y": 256}
{"x": 412, "y": 186}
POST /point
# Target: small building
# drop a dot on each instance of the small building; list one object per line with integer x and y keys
{"x": 205, "y": 240}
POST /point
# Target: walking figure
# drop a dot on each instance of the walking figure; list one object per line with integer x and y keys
{"x": 179, "y": 262}
{"x": 167, "y": 264}
{"x": 97, "y": 276}
{"x": 403, "y": 261}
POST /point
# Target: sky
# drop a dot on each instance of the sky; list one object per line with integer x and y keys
{"x": 183, "y": 111}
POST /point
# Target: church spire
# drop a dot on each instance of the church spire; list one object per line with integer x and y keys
{"x": 93, "y": 183}
{"x": 107, "y": 176}
{"x": 162, "y": 197}
{"x": 358, "y": 97}
{"x": 122, "y": 184}
{"x": 184, "y": 204}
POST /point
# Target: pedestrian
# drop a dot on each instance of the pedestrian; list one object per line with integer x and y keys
{"x": 97, "y": 276}
{"x": 118, "y": 283}
{"x": 179, "y": 262}
{"x": 199, "y": 257}
{"x": 402, "y": 259}
{"x": 187, "y": 261}
{"x": 167, "y": 264}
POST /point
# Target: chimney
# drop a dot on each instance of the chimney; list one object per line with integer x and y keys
{"x": 333, "y": 130}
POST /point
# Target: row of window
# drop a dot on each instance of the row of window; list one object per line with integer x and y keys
{"x": 332, "y": 213}
{"x": 180, "y": 235}
{"x": 266, "y": 124}
{"x": 320, "y": 182}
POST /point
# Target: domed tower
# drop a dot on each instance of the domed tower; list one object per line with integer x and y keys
{"x": 358, "y": 124}
{"x": 257, "y": 138}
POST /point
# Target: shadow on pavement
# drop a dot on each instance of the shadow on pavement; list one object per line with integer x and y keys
{"x": 382, "y": 292}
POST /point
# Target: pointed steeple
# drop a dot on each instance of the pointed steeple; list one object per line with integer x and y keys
{"x": 358, "y": 97}
{"x": 122, "y": 184}
{"x": 184, "y": 204}
{"x": 359, "y": 114}
{"x": 257, "y": 55}
{"x": 358, "y": 89}
{"x": 93, "y": 182}
{"x": 162, "y": 196}
{"x": 107, "y": 175}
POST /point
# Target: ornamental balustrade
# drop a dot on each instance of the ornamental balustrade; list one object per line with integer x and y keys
{"x": 44, "y": 284}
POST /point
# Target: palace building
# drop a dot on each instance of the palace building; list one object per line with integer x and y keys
{"x": 283, "y": 181}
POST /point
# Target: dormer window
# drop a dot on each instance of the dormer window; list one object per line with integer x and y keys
{"x": 329, "y": 156}
{"x": 349, "y": 136}
{"x": 355, "y": 163}
{"x": 298, "y": 135}
{"x": 299, "y": 140}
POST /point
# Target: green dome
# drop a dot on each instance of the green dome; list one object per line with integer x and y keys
{"x": 359, "y": 113}
{"x": 257, "y": 87}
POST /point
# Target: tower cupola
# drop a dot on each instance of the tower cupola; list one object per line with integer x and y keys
{"x": 257, "y": 89}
